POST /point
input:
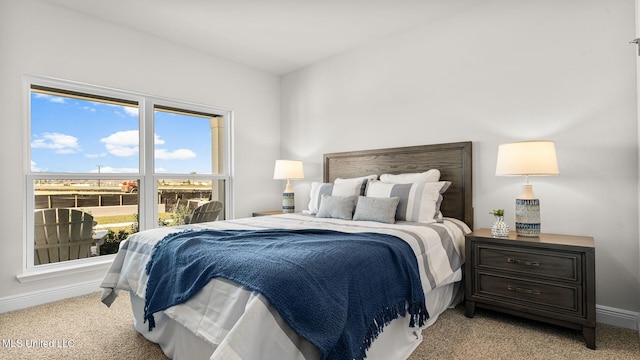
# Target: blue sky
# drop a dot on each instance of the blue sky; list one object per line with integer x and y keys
{"x": 82, "y": 136}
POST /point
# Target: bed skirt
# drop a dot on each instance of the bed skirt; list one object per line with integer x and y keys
{"x": 397, "y": 341}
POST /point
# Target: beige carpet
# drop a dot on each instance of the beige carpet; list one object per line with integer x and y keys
{"x": 83, "y": 328}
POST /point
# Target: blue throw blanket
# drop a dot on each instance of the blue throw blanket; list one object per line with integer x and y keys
{"x": 337, "y": 290}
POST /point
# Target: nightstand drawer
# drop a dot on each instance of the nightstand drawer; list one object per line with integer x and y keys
{"x": 556, "y": 265}
{"x": 534, "y": 294}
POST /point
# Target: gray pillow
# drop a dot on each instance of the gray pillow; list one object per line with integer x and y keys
{"x": 376, "y": 209}
{"x": 339, "y": 207}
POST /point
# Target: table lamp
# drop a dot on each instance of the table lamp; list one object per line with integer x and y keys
{"x": 527, "y": 158}
{"x": 288, "y": 170}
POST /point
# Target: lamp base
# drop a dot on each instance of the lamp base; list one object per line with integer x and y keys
{"x": 288, "y": 203}
{"x": 528, "y": 217}
{"x": 527, "y": 212}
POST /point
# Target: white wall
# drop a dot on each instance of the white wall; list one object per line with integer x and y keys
{"x": 498, "y": 72}
{"x": 40, "y": 39}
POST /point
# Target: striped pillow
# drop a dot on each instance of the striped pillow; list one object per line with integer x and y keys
{"x": 362, "y": 180}
{"x": 419, "y": 202}
{"x": 341, "y": 187}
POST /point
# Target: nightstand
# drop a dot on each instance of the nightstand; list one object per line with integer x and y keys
{"x": 267, "y": 213}
{"x": 549, "y": 278}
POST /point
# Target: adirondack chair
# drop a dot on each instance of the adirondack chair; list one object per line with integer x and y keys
{"x": 206, "y": 212}
{"x": 64, "y": 234}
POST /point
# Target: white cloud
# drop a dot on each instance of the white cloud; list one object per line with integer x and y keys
{"x": 35, "y": 168}
{"x": 51, "y": 98}
{"x": 88, "y": 108}
{"x": 59, "y": 143}
{"x": 157, "y": 140}
{"x": 125, "y": 143}
{"x": 179, "y": 154}
{"x": 66, "y": 151}
{"x": 122, "y": 143}
{"x": 131, "y": 111}
{"x": 95, "y": 156}
{"x": 110, "y": 170}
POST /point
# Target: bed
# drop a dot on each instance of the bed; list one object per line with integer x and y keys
{"x": 225, "y": 320}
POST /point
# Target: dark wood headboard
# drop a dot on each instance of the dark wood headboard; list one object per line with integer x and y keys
{"x": 452, "y": 159}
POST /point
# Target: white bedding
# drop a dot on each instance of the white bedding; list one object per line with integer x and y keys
{"x": 237, "y": 323}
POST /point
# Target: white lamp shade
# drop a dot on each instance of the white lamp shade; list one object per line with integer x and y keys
{"x": 288, "y": 170}
{"x": 528, "y": 158}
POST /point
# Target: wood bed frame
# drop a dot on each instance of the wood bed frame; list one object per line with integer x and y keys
{"x": 452, "y": 159}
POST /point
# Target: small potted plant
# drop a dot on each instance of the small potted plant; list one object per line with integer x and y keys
{"x": 499, "y": 228}
{"x": 497, "y": 213}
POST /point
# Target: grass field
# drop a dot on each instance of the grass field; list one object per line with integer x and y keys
{"x": 129, "y": 218}
{"x": 115, "y": 219}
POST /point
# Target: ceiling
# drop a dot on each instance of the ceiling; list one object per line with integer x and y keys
{"x": 278, "y": 36}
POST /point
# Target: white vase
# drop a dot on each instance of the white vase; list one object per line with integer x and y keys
{"x": 500, "y": 228}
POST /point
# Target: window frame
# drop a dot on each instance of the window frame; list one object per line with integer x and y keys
{"x": 146, "y": 168}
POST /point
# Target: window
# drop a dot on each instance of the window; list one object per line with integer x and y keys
{"x": 104, "y": 163}
{"x": 194, "y": 154}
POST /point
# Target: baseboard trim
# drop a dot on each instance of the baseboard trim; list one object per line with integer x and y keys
{"x": 618, "y": 317}
{"x": 21, "y": 301}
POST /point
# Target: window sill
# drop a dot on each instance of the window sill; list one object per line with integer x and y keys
{"x": 44, "y": 272}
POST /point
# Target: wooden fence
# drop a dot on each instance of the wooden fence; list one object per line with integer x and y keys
{"x": 69, "y": 200}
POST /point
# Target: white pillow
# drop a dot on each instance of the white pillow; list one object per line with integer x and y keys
{"x": 419, "y": 202}
{"x": 360, "y": 179}
{"x": 432, "y": 175}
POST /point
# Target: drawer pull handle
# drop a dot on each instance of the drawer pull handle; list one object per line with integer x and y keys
{"x": 523, "y": 290}
{"x": 523, "y": 262}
